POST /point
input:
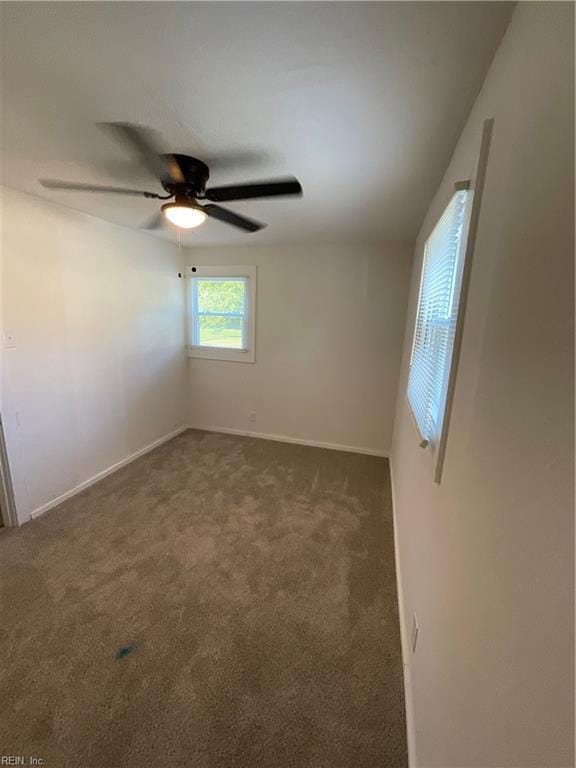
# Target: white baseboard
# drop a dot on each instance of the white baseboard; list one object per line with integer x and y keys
{"x": 100, "y": 475}
{"x": 279, "y": 438}
{"x": 406, "y": 649}
{"x": 293, "y": 440}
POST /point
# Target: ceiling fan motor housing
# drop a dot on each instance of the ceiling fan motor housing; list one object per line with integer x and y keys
{"x": 195, "y": 173}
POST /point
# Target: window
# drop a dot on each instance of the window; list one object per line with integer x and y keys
{"x": 221, "y": 310}
{"x": 436, "y": 319}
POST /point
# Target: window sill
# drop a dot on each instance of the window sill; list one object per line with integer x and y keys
{"x": 221, "y": 353}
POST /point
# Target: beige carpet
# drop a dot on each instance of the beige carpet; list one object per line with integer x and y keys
{"x": 223, "y": 602}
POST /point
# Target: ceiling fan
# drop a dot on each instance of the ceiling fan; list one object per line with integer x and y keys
{"x": 183, "y": 178}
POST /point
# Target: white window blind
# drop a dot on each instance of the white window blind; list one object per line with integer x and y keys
{"x": 436, "y": 319}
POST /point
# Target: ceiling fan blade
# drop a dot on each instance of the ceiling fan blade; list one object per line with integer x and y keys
{"x": 228, "y": 217}
{"x": 235, "y": 159}
{"x": 80, "y": 187}
{"x": 271, "y": 188}
{"x": 154, "y": 222}
{"x": 142, "y": 143}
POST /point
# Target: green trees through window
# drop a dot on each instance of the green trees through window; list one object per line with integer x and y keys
{"x": 220, "y": 312}
{"x": 221, "y": 295}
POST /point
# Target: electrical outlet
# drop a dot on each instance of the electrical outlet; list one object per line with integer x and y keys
{"x": 414, "y": 634}
{"x": 252, "y": 416}
{"x": 9, "y": 340}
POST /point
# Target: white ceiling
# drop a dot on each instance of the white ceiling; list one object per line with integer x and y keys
{"x": 361, "y": 101}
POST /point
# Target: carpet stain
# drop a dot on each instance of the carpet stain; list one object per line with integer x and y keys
{"x": 125, "y": 650}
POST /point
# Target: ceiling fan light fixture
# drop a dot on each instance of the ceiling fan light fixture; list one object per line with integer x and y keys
{"x": 184, "y": 216}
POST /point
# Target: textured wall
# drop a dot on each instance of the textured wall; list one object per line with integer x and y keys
{"x": 329, "y": 328}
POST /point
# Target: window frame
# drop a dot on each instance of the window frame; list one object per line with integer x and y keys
{"x": 232, "y": 272}
{"x": 475, "y": 188}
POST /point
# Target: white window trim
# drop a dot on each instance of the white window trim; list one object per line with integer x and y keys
{"x": 470, "y": 231}
{"x": 221, "y": 353}
{"x": 438, "y": 447}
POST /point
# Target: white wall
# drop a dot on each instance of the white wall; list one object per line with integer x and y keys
{"x": 329, "y": 328}
{"x": 487, "y": 556}
{"x": 98, "y": 368}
